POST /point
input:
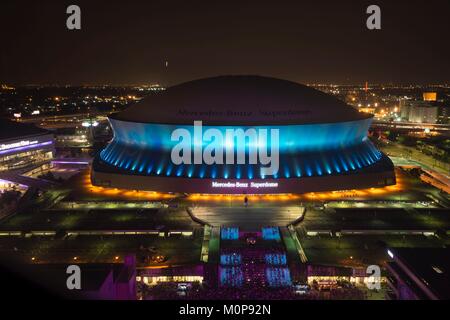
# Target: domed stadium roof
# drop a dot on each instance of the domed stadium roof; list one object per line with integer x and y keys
{"x": 240, "y": 100}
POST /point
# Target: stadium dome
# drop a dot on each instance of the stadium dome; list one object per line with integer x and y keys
{"x": 240, "y": 100}
{"x": 322, "y": 142}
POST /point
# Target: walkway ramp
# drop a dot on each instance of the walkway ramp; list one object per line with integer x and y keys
{"x": 248, "y": 218}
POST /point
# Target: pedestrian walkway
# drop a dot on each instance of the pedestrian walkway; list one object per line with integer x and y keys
{"x": 248, "y": 218}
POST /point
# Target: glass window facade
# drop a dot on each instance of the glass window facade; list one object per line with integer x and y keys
{"x": 13, "y": 157}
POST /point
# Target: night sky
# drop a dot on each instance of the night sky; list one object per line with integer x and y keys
{"x": 127, "y": 42}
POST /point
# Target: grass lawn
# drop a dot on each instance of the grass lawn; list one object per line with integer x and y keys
{"x": 102, "y": 249}
{"x": 130, "y": 219}
{"x": 377, "y": 219}
{"x": 361, "y": 250}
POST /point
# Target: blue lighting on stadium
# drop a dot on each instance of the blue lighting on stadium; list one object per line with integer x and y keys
{"x": 305, "y": 151}
{"x": 293, "y": 138}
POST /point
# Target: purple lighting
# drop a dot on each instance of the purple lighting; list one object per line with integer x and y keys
{"x": 31, "y": 146}
{"x": 70, "y": 162}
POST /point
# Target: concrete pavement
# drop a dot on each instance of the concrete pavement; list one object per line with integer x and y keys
{"x": 249, "y": 218}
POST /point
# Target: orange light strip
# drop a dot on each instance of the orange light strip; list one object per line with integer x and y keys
{"x": 126, "y": 193}
{"x": 310, "y": 196}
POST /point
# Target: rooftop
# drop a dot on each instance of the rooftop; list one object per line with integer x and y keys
{"x": 431, "y": 265}
{"x": 240, "y": 100}
{"x": 12, "y": 129}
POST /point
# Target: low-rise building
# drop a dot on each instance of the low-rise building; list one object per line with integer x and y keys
{"x": 23, "y": 145}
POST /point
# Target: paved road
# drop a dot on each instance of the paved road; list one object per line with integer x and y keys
{"x": 413, "y": 155}
{"x": 249, "y": 218}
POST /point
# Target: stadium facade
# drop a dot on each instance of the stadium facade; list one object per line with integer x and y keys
{"x": 322, "y": 142}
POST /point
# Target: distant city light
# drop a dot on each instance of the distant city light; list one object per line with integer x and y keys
{"x": 89, "y": 124}
{"x": 390, "y": 254}
{"x": 437, "y": 269}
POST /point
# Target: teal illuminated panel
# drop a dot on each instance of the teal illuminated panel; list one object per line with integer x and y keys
{"x": 305, "y": 150}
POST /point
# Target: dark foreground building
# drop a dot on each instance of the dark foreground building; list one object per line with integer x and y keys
{"x": 291, "y": 138}
{"x": 98, "y": 281}
{"x": 420, "y": 273}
